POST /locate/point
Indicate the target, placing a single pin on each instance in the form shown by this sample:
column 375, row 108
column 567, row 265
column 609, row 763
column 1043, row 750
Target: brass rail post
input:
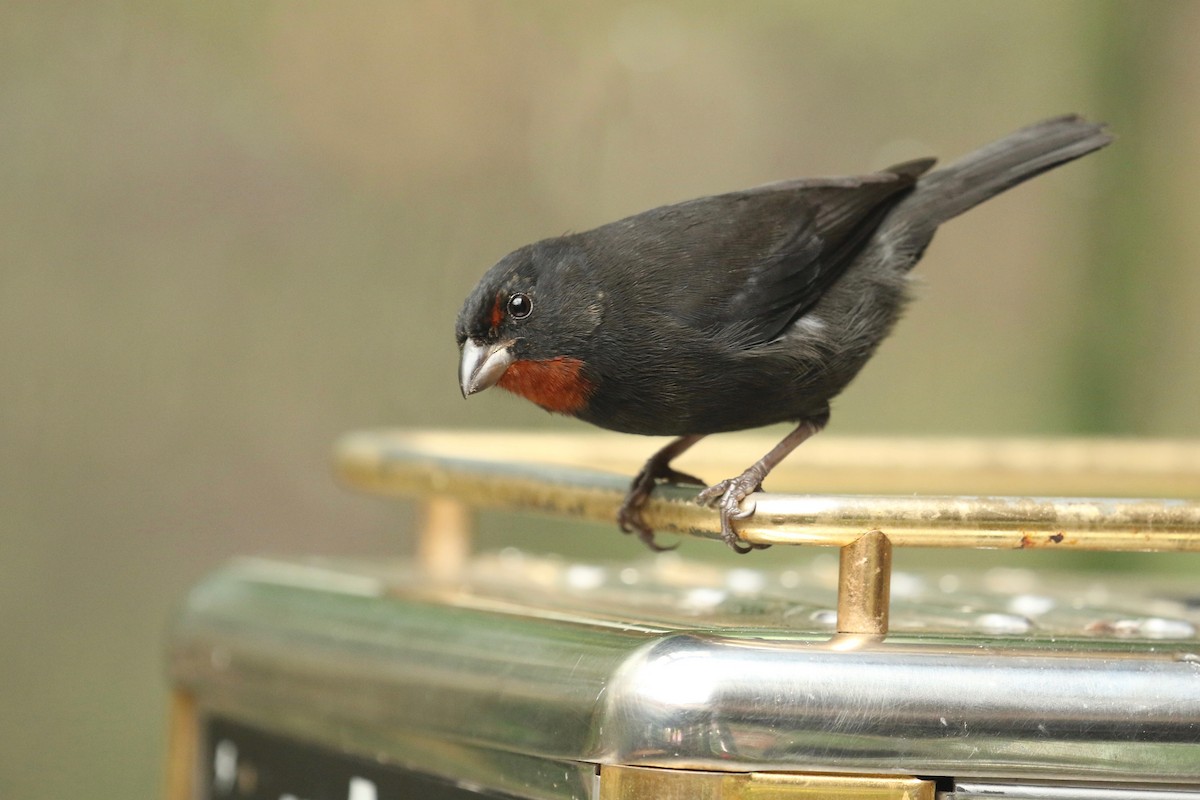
column 444, row 535
column 183, row 747
column 865, row 585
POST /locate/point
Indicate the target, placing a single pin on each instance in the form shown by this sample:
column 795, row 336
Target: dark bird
column 731, row 311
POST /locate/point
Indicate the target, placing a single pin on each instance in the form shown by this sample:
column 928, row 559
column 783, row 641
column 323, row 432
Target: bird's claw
column 727, row 497
column 629, row 516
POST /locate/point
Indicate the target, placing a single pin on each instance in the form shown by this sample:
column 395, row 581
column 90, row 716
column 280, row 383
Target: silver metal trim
column 549, row 682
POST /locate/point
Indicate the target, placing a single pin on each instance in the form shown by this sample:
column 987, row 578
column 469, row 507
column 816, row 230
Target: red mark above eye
column 497, row 311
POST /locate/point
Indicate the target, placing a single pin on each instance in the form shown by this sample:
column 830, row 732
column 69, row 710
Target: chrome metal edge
column 858, row 705
column 365, row 666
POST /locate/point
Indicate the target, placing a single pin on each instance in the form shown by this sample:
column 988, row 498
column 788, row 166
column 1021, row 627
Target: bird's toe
column 674, row 476
column 713, row 494
column 730, row 537
column 728, row 497
column 629, row 515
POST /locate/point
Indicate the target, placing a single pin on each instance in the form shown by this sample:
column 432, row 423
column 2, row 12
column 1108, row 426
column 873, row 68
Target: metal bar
column 183, row 747
column 444, row 535
column 829, row 464
column 1013, row 523
column 395, row 465
column 865, row 585
column 646, row 783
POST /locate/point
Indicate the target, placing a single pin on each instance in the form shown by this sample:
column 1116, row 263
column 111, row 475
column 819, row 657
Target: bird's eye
column 519, row 306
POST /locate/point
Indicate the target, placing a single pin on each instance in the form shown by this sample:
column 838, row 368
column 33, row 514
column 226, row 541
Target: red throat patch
column 555, row 384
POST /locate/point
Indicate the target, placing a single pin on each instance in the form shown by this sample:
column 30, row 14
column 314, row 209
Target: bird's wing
column 809, row 249
column 743, row 266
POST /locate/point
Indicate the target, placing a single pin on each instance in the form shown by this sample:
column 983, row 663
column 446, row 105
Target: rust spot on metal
column 1026, row 541
column 1056, row 537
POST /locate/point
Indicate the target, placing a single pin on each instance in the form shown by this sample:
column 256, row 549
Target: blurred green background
column 230, row 232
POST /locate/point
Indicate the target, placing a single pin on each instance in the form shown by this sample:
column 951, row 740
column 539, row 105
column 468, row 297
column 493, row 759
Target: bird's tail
column 945, row 193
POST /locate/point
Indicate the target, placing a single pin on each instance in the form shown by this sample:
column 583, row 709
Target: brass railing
column 455, row 473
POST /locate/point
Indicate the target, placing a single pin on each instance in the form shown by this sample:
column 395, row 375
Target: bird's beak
column 483, row 365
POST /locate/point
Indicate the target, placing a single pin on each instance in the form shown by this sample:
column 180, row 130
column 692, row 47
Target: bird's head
column 526, row 327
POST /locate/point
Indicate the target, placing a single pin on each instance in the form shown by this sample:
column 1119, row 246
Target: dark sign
column 245, row 763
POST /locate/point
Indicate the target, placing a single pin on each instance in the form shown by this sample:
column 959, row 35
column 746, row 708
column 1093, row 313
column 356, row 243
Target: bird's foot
column 629, row 516
column 727, row 497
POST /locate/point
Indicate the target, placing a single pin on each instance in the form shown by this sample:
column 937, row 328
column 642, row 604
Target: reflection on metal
column 641, row 783
column 1012, row 523
column 864, row 585
column 522, row 673
column 183, row 747
column 473, row 470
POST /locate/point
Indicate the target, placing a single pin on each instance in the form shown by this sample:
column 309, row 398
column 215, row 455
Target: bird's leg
column 729, row 493
column 657, row 468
